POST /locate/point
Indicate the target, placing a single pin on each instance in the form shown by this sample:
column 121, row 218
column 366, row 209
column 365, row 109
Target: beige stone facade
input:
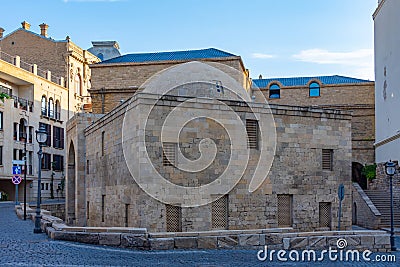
column 48, row 81
column 113, row 198
column 359, row 98
column 116, row 82
column 62, row 58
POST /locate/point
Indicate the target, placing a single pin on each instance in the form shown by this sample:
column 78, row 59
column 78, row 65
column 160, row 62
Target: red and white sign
column 16, row 179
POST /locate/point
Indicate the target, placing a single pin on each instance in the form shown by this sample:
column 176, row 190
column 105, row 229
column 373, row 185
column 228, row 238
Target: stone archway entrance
column 71, row 186
column 357, row 176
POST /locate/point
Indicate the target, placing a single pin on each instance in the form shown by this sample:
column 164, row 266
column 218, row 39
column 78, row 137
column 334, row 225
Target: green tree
column 369, row 171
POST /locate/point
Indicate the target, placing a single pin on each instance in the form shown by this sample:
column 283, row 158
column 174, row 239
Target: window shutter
column 327, row 159
column 169, row 154
column 219, row 213
column 252, row 134
column 62, row 138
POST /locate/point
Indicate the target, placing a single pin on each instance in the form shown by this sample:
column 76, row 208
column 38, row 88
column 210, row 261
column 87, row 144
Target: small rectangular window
column 58, row 163
column 87, row 210
column 48, row 130
column 285, row 210
column 46, row 161
column 87, row 167
column 103, row 199
column 47, row 186
column 102, row 144
column 252, row 134
column 169, row 154
column 1, row 120
column 126, row 215
column 173, row 218
column 15, row 131
column 325, row 216
column 58, row 137
column 1, row 155
column 219, row 213
column 327, row 159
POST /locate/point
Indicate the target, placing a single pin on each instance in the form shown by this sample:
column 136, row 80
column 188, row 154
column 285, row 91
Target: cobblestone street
column 20, row 247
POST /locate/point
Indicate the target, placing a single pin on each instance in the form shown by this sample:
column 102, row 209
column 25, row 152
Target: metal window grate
column 173, row 218
column 327, row 159
column 169, row 154
column 219, row 213
column 284, row 210
column 252, row 133
column 325, row 214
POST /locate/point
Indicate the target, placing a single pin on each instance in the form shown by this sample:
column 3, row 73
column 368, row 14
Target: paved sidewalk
column 20, row 247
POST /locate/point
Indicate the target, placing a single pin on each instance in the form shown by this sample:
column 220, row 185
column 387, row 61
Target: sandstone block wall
column 114, row 199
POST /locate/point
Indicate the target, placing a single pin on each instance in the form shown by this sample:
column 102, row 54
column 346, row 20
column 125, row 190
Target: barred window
column 252, row 133
column 327, row 159
column 220, row 213
column 285, row 210
column 169, row 154
column 325, row 216
column 173, row 218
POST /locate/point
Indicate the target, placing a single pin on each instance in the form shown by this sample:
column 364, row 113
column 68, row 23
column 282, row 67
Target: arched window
column 314, row 89
column 44, row 106
column 51, row 108
column 274, row 91
column 100, row 56
column 57, row 110
column 78, row 83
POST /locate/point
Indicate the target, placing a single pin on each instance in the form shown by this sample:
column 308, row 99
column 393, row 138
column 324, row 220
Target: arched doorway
column 70, row 203
column 357, row 176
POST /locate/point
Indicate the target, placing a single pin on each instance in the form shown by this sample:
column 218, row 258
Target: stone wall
column 113, row 83
column 358, row 98
column 56, row 209
column 302, row 133
column 365, row 213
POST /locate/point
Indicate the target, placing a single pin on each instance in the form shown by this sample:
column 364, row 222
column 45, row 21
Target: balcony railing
column 19, row 102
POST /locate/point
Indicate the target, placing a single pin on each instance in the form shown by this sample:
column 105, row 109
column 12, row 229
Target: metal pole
column 16, row 194
column 340, row 213
column 25, row 170
column 393, row 248
column 38, row 217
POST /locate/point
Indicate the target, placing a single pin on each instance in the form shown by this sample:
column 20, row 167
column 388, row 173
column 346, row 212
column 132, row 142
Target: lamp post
column 390, row 168
column 41, row 138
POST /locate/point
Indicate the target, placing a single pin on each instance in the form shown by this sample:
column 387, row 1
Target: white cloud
column 320, row 56
column 261, row 55
column 361, row 62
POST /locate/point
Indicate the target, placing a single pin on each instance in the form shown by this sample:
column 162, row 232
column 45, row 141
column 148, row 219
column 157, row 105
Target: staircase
column 381, row 200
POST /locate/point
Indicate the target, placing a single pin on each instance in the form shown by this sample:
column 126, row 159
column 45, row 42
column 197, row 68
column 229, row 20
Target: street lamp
column 41, row 138
column 390, row 168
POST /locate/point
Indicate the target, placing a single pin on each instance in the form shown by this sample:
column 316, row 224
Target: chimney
column 1, row 32
column 260, row 77
column 43, row 29
column 25, row 25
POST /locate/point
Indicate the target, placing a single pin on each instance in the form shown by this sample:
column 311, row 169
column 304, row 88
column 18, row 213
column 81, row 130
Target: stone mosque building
column 185, row 141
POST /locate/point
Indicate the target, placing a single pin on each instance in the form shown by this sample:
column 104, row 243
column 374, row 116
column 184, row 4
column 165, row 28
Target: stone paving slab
column 20, row 247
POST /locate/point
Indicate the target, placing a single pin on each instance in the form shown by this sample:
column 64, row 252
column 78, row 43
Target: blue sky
column 275, row 38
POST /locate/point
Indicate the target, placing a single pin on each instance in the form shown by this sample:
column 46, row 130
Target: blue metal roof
column 170, row 56
column 302, row 81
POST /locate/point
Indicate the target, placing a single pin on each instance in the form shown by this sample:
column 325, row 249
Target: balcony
column 19, row 102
